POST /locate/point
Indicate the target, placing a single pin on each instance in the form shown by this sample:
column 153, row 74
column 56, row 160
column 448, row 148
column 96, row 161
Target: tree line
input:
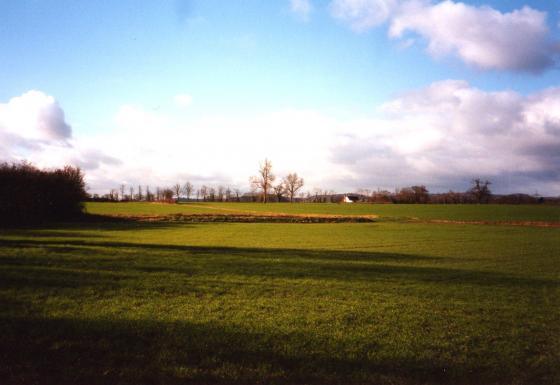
column 262, row 189
column 31, row 195
column 266, row 187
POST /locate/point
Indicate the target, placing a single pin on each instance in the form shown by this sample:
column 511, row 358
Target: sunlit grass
column 390, row 211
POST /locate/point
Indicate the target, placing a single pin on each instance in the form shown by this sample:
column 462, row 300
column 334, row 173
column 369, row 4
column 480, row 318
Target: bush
column 31, row 195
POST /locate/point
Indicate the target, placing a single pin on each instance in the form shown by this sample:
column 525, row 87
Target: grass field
column 422, row 212
column 391, row 302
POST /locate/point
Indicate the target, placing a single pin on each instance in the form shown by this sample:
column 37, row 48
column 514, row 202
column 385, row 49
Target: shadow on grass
column 40, row 350
column 101, row 351
column 123, row 259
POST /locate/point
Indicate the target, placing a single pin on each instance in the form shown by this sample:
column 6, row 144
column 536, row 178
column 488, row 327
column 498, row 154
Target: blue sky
column 243, row 62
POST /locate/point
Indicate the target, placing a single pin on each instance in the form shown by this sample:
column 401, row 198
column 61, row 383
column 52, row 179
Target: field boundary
column 492, row 223
column 248, row 218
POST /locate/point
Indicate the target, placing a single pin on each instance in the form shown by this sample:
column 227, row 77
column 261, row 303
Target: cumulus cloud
column 33, row 128
column 301, row 8
column 449, row 132
column 29, row 123
column 482, row 37
column 34, row 115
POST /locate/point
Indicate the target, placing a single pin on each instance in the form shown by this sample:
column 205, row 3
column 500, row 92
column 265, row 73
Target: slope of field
column 492, row 213
column 240, row 303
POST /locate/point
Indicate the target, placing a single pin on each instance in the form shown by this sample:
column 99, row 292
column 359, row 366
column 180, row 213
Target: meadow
column 459, row 212
column 402, row 300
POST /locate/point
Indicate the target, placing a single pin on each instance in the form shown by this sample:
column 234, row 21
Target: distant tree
column 381, row 196
column 237, row 193
column 188, row 189
column 317, row 194
column 167, row 195
column 263, row 181
column 204, row 192
column 404, row 195
column 421, row 194
column 149, row 195
column 211, row 194
column 329, row 196
column 365, row 192
column 177, row 190
column 292, row 183
column 228, row 194
column 139, row 195
column 279, row 191
column 131, row 195
column 114, row 194
column 480, row 191
column 220, row 193
column 122, row 192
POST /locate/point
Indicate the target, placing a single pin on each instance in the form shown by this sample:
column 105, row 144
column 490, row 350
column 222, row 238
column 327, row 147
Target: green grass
column 238, row 303
column 422, row 212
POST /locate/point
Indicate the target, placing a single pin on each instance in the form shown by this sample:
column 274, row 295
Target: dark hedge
column 31, row 195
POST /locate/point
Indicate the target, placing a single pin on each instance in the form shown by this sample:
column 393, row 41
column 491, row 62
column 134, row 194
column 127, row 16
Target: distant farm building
column 351, row 198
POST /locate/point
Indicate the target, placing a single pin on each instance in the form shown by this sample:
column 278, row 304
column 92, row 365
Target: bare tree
column 237, row 194
column 122, row 192
column 139, row 196
column 263, row 181
column 114, row 195
column 292, row 183
column 188, row 189
column 318, row 195
column 131, row 195
column 177, row 190
column 203, row 192
column 149, row 195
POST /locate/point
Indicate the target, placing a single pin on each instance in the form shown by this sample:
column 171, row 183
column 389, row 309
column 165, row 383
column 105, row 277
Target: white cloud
column 33, row 127
column 157, row 149
column 449, row 132
column 441, row 135
column 362, row 15
column 183, row 100
column 482, row 37
column 301, row 8
column 34, row 116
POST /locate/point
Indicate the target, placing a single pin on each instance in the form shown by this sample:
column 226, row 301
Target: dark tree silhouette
column 30, row 195
column 480, row 191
